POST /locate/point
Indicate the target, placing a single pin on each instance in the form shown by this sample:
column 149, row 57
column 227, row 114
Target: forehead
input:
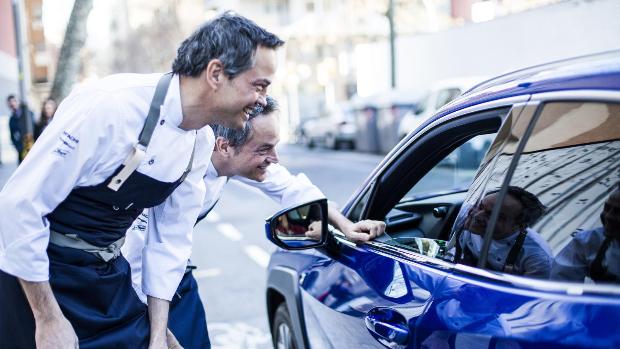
column 510, row 205
column 264, row 65
column 264, row 129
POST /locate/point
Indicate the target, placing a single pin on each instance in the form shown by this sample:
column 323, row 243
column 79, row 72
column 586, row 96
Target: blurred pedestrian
column 17, row 126
column 47, row 114
column 117, row 146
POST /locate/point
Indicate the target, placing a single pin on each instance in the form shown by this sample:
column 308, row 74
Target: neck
column 193, row 95
column 221, row 165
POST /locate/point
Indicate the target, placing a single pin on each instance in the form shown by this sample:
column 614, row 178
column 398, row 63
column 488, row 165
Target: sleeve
column 284, row 188
column 81, row 136
column 170, row 226
column 571, row 264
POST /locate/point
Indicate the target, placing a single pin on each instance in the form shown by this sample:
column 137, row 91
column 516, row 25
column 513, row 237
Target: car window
column 560, row 205
column 422, row 217
column 456, row 171
column 445, row 96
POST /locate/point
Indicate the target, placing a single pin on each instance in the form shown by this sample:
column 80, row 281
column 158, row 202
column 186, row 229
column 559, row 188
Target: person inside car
column 515, row 248
column 593, row 253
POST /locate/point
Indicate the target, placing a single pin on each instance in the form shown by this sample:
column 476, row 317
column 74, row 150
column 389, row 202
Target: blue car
column 502, row 217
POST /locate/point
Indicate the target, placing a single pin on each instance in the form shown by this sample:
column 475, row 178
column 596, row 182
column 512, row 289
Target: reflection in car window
column 570, row 166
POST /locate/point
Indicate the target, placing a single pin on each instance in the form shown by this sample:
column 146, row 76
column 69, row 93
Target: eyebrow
column 262, row 81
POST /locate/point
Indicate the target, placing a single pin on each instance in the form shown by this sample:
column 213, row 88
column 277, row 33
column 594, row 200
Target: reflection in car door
column 365, row 298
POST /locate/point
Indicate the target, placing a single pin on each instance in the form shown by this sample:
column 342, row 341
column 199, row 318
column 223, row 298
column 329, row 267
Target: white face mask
column 612, row 258
column 476, row 244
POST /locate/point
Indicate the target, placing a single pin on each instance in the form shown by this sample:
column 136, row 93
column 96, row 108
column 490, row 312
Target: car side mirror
column 298, row 228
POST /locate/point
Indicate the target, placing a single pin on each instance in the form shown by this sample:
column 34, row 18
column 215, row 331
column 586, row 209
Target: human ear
column 214, row 73
column 222, row 146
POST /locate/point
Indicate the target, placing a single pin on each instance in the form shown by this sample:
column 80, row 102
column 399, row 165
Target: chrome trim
column 579, row 95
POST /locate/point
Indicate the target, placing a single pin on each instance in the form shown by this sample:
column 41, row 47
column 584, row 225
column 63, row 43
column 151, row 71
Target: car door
column 372, row 295
column 564, row 153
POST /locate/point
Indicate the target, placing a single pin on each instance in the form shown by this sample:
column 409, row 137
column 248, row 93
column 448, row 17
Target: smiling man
column 120, row 145
column 248, row 156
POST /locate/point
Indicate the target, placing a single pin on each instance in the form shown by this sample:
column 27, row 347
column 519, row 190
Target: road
column 232, row 252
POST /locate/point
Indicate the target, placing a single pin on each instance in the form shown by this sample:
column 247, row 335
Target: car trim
column 578, row 95
column 573, row 289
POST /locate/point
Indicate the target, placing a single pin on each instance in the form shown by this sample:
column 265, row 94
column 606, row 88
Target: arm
column 52, row 329
column 169, row 236
column 28, row 197
column 361, row 231
column 158, row 317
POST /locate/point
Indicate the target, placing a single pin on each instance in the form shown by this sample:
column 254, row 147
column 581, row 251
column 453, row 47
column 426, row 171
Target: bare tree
column 68, row 64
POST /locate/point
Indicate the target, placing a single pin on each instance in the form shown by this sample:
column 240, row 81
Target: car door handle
column 387, row 325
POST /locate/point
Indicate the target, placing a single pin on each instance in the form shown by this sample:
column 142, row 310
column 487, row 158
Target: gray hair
column 231, row 38
column 238, row 138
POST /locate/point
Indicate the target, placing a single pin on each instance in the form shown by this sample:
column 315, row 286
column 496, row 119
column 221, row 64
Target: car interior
column 419, row 211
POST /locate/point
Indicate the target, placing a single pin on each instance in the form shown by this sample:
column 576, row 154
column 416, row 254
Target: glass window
column 558, row 216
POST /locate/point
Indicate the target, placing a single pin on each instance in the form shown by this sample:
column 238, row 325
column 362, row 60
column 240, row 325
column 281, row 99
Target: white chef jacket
column 573, row 262
column 534, row 260
column 94, row 130
column 280, row 185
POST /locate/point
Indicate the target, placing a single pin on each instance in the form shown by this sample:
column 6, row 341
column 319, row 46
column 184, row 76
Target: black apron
column 96, row 296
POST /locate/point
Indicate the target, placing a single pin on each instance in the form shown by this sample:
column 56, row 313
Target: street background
column 353, row 78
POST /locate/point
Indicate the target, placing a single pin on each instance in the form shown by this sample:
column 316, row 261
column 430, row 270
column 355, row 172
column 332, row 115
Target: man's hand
column 314, row 231
column 55, row 333
column 53, row 330
column 363, row 231
column 171, row 340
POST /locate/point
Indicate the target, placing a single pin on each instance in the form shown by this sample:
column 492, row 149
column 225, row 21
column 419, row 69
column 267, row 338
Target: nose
column 273, row 156
column 262, row 99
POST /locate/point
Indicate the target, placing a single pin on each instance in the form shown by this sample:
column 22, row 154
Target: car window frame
column 556, row 286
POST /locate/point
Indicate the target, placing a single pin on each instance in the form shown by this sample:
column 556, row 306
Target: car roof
column 592, row 72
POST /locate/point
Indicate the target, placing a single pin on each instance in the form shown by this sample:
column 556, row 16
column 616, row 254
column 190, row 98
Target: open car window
column 420, row 196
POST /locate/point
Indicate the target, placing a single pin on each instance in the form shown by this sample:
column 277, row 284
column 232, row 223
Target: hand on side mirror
column 300, row 227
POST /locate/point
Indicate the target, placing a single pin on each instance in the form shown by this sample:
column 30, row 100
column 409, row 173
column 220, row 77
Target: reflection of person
column 285, row 227
column 47, row 114
column 249, row 157
column 105, row 160
column 593, row 253
column 515, row 247
column 17, row 125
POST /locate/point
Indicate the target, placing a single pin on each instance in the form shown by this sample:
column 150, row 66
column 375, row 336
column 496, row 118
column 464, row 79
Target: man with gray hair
column 117, row 146
column 248, row 156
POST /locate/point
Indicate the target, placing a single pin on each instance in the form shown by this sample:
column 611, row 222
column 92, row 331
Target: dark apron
column 94, row 295
column 187, row 319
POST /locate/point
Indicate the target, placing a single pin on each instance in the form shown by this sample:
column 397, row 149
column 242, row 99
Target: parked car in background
column 334, row 129
column 440, row 94
column 377, row 118
column 442, row 276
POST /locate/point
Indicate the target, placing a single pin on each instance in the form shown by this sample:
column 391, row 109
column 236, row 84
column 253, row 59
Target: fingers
column 366, row 230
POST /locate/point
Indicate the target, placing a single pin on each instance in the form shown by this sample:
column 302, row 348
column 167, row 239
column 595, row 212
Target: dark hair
column 9, row 97
column 231, row 38
column 238, row 138
column 532, row 210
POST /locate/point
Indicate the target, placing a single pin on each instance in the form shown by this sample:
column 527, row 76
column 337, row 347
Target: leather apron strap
column 139, row 151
